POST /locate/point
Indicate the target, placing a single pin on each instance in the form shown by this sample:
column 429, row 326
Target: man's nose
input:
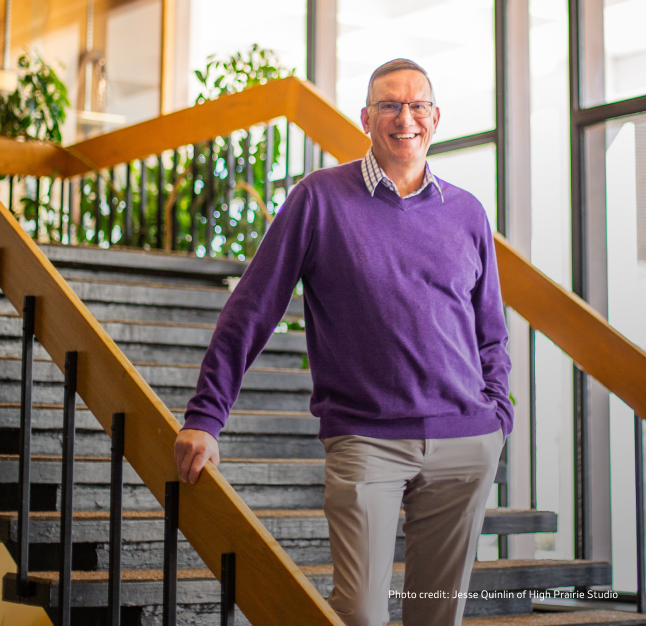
column 405, row 116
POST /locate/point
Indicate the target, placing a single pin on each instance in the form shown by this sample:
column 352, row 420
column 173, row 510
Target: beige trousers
column 444, row 485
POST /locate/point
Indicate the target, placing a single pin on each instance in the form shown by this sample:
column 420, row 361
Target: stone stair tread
column 564, row 618
column 9, row 516
column 50, row 578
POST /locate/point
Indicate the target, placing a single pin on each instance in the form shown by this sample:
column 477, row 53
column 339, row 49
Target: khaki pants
column 444, row 485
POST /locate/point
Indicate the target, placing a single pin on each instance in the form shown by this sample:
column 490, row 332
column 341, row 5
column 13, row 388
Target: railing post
column 128, row 210
column 116, row 512
column 532, row 419
column 97, row 209
column 11, row 194
column 112, row 209
column 67, row 494
column 227, row 589
column 193, row 207
column 160, row 201
column 269, row 157
column 26, row 400
column 639, row 486
column 37, row 230
column 171, row 519
column 143, row 202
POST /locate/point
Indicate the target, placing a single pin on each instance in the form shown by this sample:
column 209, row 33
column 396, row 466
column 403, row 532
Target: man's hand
column 193, row 448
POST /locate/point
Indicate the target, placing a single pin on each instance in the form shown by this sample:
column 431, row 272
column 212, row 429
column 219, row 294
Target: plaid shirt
column 373, row 175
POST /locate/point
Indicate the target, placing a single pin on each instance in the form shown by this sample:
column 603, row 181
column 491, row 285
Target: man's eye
column 389, row 106
column 419, row 106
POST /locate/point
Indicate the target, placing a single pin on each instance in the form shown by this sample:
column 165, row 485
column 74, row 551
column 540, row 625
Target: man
column 406, row 342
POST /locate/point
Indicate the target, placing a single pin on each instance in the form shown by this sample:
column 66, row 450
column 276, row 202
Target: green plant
column 37, row 108
column 239, row 71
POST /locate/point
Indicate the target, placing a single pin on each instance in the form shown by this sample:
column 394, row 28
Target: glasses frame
column 378, row 105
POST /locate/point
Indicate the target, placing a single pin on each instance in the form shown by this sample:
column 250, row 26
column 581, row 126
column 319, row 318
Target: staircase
column 161, row 310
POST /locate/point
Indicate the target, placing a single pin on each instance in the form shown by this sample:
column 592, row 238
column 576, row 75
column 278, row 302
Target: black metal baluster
column 288, row 177
column 116, row 513
column 639, row 485
column 231, row 172
column 70, row 205
column 26, row 398
column 61, row 211
column 37, row 230
column 173, row 209
column 67, row 492
column 97, row 209
column 209, row 203
column 112, row 208
column 269, row 158
column 532, row 419
column 171, row 520
column 11, row 194
column 193, row 207
column 249, row 181
column 143, row 203
column 227, row 589
column 503, row 501
column 160, row 201
column 321, row 158
column 128, row 215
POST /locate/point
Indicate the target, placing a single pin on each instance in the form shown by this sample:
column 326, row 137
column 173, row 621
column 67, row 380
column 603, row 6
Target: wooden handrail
column 299, row 101
column 215, row 520
column 574, row 326
column 566, row 319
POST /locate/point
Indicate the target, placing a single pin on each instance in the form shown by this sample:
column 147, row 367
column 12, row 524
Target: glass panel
column 473, row 169
column 551, row 253
column 228, row 27
column 614, row 50
column 625, row 167
column 458, row 55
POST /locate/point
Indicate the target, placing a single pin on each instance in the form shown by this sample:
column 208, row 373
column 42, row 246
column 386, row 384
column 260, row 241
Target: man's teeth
column 409, row 136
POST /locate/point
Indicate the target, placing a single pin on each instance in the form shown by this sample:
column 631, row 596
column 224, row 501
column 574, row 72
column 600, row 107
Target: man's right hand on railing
column 193, row 448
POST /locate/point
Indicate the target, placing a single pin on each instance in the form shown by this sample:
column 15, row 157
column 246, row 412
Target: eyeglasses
column 393, row 109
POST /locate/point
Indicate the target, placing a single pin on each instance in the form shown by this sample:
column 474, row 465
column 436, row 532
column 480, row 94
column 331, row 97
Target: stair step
column 93, row 526
column 271, row 388
column 50, row 417
column 148, row 294
column 164, row 342
column 143, row 587
column 567, row 618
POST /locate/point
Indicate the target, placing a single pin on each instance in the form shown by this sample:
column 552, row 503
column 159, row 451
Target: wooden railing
column 299, row 101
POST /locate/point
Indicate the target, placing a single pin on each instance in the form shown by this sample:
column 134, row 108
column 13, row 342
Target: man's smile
column 402, row 136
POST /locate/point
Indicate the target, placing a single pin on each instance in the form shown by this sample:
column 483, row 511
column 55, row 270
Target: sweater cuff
column 200, row 422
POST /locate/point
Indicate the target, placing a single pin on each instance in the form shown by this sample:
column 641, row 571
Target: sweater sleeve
column 252, row 312
column 491, row 332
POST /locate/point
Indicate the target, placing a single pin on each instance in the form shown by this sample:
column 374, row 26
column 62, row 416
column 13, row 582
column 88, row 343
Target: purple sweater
column 403, row 316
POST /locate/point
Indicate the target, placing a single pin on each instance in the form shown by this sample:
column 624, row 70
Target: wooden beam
column 574, row 326
column 270, row 588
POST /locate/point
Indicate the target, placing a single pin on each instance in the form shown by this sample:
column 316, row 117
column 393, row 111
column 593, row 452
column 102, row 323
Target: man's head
column 400, row 141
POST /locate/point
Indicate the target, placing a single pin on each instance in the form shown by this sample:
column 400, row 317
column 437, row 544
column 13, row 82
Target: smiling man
column 406, row 343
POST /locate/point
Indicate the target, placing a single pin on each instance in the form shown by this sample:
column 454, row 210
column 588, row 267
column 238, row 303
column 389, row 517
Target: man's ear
column 365, row 120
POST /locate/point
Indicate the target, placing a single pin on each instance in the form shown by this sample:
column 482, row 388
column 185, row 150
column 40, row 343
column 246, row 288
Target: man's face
column 402, row 140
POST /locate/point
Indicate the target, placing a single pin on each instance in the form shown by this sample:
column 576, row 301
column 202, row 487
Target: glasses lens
column 389, row 109
column 393, row 109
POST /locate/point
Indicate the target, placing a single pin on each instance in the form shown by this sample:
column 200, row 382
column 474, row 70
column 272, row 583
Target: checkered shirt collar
column 373, row 175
